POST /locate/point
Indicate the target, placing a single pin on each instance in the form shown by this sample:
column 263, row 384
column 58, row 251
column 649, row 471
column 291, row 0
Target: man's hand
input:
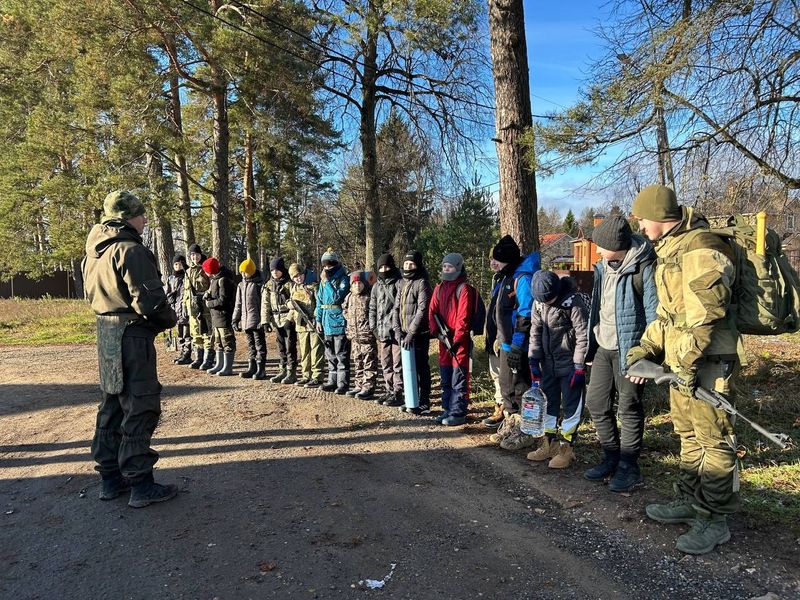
column 636, row 354
column 687, row 383
column 236, row 326
column 268, row 327
column 408, row 341
column 514, row 358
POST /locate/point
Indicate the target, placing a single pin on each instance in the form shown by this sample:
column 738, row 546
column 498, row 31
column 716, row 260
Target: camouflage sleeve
column 708, row 275
column 138, row 270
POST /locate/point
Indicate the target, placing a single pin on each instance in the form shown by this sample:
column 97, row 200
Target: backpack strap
column 638, row 277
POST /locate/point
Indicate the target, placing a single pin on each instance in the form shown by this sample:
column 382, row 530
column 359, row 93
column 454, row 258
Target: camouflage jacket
column 356, row 314
column 694, row 277
column 274, row 299
column 121, row 277
column 305, row 296
column 195, row 284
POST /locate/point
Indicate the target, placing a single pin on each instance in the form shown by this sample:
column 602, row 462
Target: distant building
column 556, row 250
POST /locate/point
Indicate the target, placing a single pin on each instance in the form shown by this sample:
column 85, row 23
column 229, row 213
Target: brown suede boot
column 496, row 418
column 563, row 458
column 547, row 450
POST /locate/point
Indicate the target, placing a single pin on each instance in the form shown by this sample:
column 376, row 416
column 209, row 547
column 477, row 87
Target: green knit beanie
column 122, row 205
column 657, row 203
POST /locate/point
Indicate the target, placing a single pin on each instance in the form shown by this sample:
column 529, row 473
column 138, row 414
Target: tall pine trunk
column 369, row 157
column 159, row 221
column 513, row 116
column 220, row 242
column 249, row 198
column 185, row 200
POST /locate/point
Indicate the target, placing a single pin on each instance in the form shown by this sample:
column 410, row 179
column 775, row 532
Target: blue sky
column 561, row 45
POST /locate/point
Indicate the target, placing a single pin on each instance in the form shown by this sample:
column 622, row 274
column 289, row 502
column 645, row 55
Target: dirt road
column 287, row 492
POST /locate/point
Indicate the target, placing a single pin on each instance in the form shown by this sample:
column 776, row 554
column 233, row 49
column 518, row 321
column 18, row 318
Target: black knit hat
column 613, row 233
column 195, row 249
column 546, row 286
column 277, row 264
column 386, row 260
column 506, row 250
column 179, row 258
column 415, row 256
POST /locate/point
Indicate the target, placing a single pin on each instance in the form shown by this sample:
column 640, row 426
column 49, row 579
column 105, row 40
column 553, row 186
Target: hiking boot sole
column 670, row 521
column 148, row 501
column 105, row 497
column 705, row 549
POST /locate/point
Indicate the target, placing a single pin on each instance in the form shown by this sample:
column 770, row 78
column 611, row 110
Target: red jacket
column 455, row 312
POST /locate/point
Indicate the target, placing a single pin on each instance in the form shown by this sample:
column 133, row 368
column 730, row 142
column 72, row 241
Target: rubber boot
column 218, row 364
column 329, row 386
column 185, row 358
column 708, row 531
column 201, row 353
column 227, row 365
column 605, row 468
column 208, row 362
column 627, row 476
column 251, row 369
column 278, row 377
column 149, row 492
column 290, row 377
column 261, row 374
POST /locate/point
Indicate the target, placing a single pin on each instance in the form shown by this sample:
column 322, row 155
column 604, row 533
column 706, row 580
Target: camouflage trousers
column 224, row 339
column 201, row 331
column 312, row 353
column 365, row 365
column 126, row 421
column 708, row 471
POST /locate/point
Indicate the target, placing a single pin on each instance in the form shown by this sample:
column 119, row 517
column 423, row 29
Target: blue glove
column 578, row 377
column 536, row 369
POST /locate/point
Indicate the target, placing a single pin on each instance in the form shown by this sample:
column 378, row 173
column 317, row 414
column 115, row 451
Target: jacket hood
column 640, row 249
column 568, row 289
column 223, row 272
column 691, row 220
column 529, row 265
column 108, row 233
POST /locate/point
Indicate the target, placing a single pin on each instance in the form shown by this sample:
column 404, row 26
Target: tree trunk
column 665, row 173
column 249, row 198
column 513, row 116
column 185, row 200
column 369, row 157
column 77, row 277
column 160, row 224
column 220, row 243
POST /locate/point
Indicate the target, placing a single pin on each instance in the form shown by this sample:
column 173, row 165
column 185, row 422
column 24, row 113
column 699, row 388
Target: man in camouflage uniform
column 196, row 284
column 125, row 290
column 694, row 337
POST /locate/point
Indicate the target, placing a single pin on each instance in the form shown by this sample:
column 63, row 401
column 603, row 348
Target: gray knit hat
column 613, row 233
column 455, row 259
column 330, row 256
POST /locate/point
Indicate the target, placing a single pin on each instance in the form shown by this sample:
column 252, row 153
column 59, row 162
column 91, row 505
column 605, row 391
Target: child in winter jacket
column 557, row 355
column 175, row 291
column 411, row 323
column 450, row 313
column 381, row 320
column 275, row 315
column 220, row 299
column 247, row 317
column 310, row 345
column 362, row 340
column 333, row 289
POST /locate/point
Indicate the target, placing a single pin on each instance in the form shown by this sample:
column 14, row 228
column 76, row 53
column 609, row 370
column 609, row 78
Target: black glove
column 408, row 341
column 514, row 358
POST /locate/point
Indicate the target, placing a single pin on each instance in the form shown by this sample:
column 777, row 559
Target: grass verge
column 44, row 322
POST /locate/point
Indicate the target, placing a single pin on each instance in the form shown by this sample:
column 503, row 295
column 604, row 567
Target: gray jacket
column 559, row 332
column 381, row 308
column 411, row 307
column 247, row 311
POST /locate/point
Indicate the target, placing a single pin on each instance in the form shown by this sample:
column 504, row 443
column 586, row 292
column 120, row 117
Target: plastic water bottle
column 534, row 408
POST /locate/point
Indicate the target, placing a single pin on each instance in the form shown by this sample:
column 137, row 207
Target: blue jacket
column 513, row 297
column 331, row 295
column 632, row 311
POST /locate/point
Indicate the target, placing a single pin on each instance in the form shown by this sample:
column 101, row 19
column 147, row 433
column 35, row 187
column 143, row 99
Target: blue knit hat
column 546, row 286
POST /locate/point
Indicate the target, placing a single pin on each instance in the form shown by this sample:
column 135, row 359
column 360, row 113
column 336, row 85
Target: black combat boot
column 113, row 485
column 261, row 373
column 149, row 492
column 252, row 368
column 627, row 475
column 199, row 360
column 208, row 362
column 605, row 468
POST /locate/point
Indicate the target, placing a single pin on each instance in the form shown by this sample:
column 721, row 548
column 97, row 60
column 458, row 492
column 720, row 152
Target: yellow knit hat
column 248, row 267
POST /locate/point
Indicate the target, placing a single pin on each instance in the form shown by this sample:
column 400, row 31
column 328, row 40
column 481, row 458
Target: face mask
column 409, row 273
column 450, row 276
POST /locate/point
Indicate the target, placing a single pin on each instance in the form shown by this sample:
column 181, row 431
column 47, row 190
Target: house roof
column 549, row 239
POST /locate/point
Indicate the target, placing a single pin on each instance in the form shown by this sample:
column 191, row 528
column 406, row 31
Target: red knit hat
column 211, row 266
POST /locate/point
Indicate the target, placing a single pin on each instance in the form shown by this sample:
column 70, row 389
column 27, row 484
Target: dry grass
column 46, row 321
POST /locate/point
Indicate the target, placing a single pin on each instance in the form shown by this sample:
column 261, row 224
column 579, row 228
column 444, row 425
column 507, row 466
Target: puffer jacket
column 356, row 314
column 333, row 289
column 632, row 311
column 247, row 311
column 381, row 306
column 274, row 300
column 559, row 337
column 221, row 298
column 513, row 303
column 175, row 296
column 305, row 296
column 455, row 312
column 411, row 306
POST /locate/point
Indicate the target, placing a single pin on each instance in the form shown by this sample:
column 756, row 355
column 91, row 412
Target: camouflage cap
column 657, row 203
column 122, row 205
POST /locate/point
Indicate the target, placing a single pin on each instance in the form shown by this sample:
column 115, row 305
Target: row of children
column 539, row 330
